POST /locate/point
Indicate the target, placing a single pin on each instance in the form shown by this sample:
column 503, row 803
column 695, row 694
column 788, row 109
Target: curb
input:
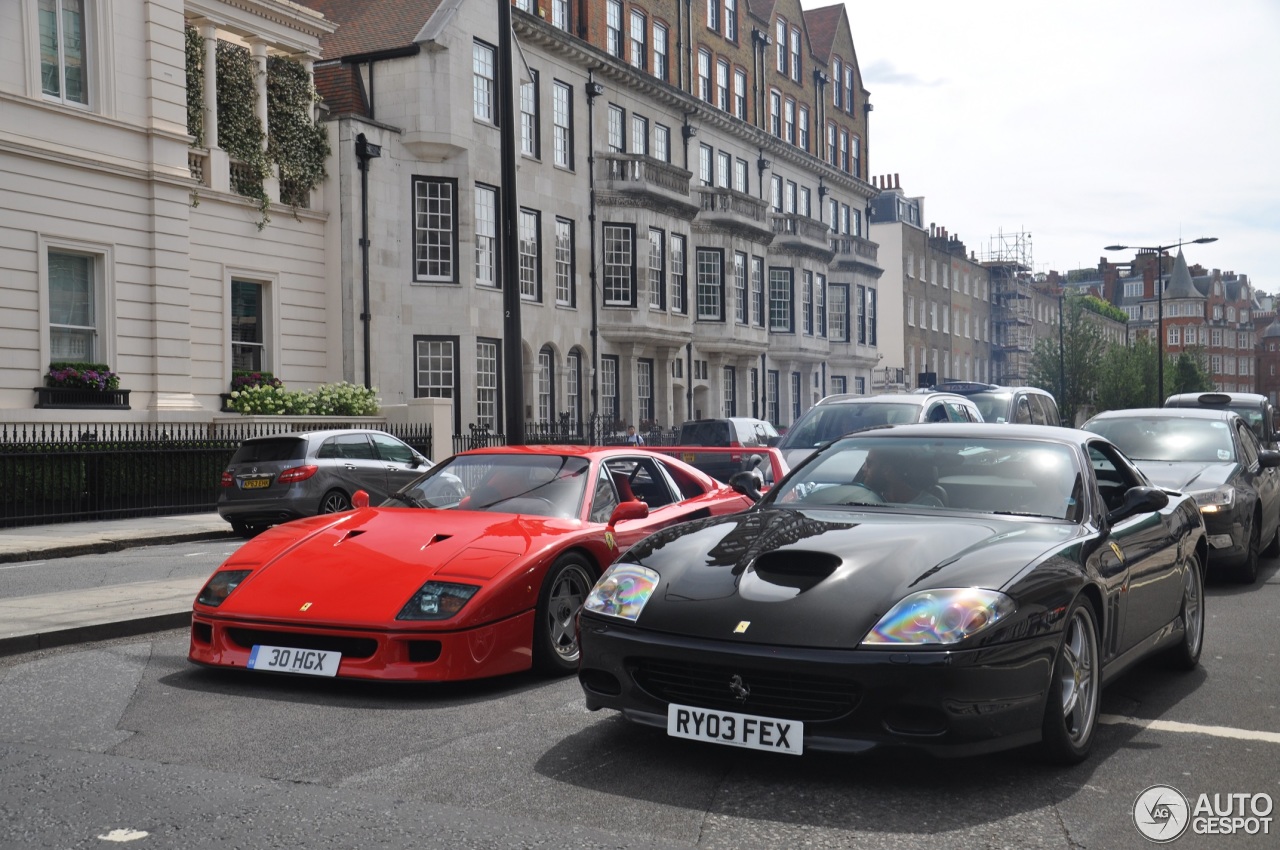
column 111, row 545
column 94, row 632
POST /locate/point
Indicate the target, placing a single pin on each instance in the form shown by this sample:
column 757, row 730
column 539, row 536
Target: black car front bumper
column 946, row 702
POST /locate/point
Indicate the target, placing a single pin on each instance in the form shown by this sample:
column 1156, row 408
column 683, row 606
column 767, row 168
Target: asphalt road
column 102, row 742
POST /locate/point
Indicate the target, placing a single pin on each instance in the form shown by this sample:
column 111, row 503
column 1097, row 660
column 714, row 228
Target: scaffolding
column 1008, row 261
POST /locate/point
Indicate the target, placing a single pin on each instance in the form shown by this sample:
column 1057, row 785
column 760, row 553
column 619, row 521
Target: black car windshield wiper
column 1023, row 513
column 407, row 499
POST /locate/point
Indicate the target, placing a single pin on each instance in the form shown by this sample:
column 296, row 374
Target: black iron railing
column 594, row 432
column 71, row 472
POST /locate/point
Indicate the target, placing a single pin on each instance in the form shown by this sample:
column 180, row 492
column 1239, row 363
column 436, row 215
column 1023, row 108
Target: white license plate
column 287, row 659
column 736, row 730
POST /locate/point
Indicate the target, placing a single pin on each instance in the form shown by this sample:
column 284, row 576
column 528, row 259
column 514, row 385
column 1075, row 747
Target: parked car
column 834, row 617
column 476, row 568
column 731, row 432
column 837, row 415
column 1214, row 456
column 723, row 463
column 1020, row 405
column 282, row 477
column 1256, row 409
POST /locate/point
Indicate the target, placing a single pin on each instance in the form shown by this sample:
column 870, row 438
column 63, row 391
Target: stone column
column 258, row 50
column 209, row 33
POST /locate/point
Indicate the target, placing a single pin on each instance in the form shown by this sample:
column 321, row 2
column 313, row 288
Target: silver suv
column 286, row 476
column 837, row 415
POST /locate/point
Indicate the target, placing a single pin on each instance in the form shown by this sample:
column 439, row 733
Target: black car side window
column 1022, row 411
column 1248, row 445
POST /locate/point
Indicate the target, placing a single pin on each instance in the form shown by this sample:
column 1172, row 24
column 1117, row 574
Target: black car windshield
column 1168, row 438
column 910, row 474
column 538, row 485
column 827, row 422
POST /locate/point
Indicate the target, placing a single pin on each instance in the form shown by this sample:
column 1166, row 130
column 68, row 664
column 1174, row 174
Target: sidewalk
column 54, row 619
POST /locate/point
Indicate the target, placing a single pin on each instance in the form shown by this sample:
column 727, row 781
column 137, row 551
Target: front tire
column 555, row 637
column 1071, row 707
column 1186, row 655
column 335, row 501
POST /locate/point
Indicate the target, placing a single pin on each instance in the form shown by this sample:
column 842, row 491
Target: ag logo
column 1161, row 813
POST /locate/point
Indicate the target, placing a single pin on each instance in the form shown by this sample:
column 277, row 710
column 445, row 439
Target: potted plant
column 78, row 385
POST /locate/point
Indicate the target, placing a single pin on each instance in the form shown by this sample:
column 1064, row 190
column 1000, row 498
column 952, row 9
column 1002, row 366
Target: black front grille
column 350, row 647
column 792, row 696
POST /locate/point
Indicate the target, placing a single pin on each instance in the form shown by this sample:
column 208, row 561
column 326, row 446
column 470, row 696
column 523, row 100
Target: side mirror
column 749, row 483
column 1269, row 458
column 634, row 509
column 1139, row 500
column 773, row 441
column 360, row 499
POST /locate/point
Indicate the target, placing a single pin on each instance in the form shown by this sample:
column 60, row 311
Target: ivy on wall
column 297, row 145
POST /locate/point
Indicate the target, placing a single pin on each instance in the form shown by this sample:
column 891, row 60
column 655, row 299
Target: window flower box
column 81, row 398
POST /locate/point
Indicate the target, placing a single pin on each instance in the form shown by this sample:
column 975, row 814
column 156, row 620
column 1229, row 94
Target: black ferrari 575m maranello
column 954, row 588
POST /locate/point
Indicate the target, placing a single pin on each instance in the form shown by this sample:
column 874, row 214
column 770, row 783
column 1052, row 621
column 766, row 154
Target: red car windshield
column 541, row 485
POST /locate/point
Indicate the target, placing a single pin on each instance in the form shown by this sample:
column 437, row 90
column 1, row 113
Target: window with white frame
column 839, row 384
column 802, row 138
column 795, row 54
column 806, row 302
column 837, row 93
column 741, row 176
column 740, row 94
column 757, row 291
column 248, row 320
column 1133, row 289
column 64, row 48
column 911, row 311
column 639, row 48
column 529, row 142
column 609, row 386
column 486, row 204
column 730, row 382
column 820, row 304
column 661, row 63
column 731, row 19
column 740, row 306
column 435, row 231
column 573, row 387
column 789, row 120
column 564, row 262
column 679, row 273
column 706, row 165
column 775, row 192
column 546, row 385
column 775, row 113
column 1174, row 335
column 560, row 14
column 710, row 282
column 644, row 389
column 657, row 268
column 487, row 376
column 871, row 317
column 617, row 129
column 860, row 305
column 619, row 265
column 704, row 75
column 662, row 142
column 848, row 89
column 436, row 367
column 780, row 42
column 771, row 395
column 781, row 318
column 795, row 396
column 484, row 70
column 613, row 27
column 713, row 15
column 639, row 134
column 722, row 85
column 530, row 255
column 562, row 123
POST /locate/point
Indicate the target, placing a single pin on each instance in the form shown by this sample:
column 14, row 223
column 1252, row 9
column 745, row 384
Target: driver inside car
column 897, row 477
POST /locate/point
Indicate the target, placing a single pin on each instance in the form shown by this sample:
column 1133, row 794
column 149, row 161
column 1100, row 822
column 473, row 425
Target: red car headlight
column 437, row 600
column 220, row 587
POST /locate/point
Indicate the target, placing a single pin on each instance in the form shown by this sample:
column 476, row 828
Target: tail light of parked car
column 228, row 480
column 297, row 473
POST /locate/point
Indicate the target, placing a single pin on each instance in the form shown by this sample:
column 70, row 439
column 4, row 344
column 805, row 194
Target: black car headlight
column 220, row 586
column 437, row 600
column 1212, row 501
column 622, row 591
column 944, row 616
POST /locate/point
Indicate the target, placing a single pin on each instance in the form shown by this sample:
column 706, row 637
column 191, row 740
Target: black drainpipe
column 365, row 152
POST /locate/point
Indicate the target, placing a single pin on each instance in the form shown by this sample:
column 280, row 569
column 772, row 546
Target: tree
column 1070, row 362
column 1190, row 372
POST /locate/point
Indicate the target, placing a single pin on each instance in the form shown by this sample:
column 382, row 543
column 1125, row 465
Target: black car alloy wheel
column 1071, row 708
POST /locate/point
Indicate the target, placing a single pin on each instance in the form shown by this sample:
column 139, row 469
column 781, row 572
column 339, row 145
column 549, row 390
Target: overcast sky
column 1084, row 123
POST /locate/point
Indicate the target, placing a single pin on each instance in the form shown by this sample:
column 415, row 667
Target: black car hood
column 1187, row 475
column 824, row 578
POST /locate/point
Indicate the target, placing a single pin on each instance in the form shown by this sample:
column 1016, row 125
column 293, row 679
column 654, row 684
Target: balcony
column 734, row 212
column 799, row 234
column 854, row 251
column 628, row 179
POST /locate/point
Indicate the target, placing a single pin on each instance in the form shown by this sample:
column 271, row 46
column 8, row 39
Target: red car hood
column 364, row 567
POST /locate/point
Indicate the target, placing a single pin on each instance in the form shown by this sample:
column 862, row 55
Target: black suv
column 1020, row 405
column 733, row 432
column 1255, row 409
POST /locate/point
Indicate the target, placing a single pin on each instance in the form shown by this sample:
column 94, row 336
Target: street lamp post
column 1159, row 251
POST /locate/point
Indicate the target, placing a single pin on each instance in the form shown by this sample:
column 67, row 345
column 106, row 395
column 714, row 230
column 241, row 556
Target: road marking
column 124, row 835
column 24, row 564
column 194, row 554
column 1191, row 728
